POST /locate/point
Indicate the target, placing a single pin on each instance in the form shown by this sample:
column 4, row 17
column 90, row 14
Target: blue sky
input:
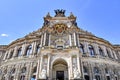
column 20, row 17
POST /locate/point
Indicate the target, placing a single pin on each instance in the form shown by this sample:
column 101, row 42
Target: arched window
column 97, row 73
column 37, row 48
column 101, row 52
column 12, row 71
column 33, row 77
column 11, row 54
column 29, row 50
column 96, row 70
column 86, row 75
column 23, row 71
column 108, row 53
column 11, row 74
column 82, row 48
column 19, row 52
column 91, row 50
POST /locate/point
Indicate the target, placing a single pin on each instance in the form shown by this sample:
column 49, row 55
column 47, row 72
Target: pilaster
column 70, row 42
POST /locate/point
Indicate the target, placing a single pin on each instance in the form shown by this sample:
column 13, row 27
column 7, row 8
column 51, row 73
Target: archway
column 60, row 70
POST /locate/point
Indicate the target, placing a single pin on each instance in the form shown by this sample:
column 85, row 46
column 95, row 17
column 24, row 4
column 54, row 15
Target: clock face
column 60, row 28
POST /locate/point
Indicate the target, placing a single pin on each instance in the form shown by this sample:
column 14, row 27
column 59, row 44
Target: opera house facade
column 60, row 50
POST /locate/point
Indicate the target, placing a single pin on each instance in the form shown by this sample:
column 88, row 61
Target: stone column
column 17, row 73
column 111, row 53
column 38, row 70
column 41, row 40
column 34, row 48
column 41, row 63
column 78, row 64
column 27, row 72
column 49, row 40
column 104, row 50
column 32, row 44
column 15, row 52
column 78, row 40
column 71, row 68
column 102, row 72
column 86, row 48
column 74, row 38
column 48, row 66
column 44, row 39
column 23, row 49
column 5, row 56
column 90, row 71
column 9, row 53
column 70, row 40
column 30, row 70
column 96, row 49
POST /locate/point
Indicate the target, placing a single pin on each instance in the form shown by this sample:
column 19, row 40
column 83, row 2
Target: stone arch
column 57, row 60
column 59, row 69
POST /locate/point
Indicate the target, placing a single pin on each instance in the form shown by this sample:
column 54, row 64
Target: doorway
column 86, row 77
column 60, row 70
column 60, row 75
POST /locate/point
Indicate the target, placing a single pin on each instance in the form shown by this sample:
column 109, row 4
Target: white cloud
column 4, row 35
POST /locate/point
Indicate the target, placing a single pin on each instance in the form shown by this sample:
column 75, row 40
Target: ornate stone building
column 60, row 50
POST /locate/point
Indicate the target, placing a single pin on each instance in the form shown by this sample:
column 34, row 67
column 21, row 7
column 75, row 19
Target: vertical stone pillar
column 111, row 53
column 41, row 63
column 102, row 72
column 23, row 49
column 90, row 71
column 38, row 70
column 82, row 70
column 17, row 74
column 30, row 70
column 78, row 64
column 27, row 71
column 104, row 50
column 44, row 39
column 49, row 40
column 96, row 49
column 41, row 40
column 86, row 48
column 48, row 66
column 78, row 40
column 5, row 56
column 15, row 52
column 71, row 68
column 32, row 44
column 34, row 48
column 9, row 53
column 70, row 42
column 74, row 38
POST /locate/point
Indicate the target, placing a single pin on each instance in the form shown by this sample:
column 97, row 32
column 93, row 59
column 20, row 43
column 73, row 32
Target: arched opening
column 60, row 70
column 86, row 75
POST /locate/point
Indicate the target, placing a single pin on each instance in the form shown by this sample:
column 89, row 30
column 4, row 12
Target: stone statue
column 43, row 74
column 76, row 73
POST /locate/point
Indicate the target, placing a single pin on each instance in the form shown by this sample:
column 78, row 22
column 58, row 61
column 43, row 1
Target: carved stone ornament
column 76, row 73
column 43, row 74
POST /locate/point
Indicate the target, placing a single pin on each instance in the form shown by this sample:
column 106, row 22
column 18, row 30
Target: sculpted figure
column 76, row 73
column 43, row 74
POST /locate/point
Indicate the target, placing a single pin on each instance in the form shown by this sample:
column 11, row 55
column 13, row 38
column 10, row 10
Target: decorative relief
column 60, row 28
